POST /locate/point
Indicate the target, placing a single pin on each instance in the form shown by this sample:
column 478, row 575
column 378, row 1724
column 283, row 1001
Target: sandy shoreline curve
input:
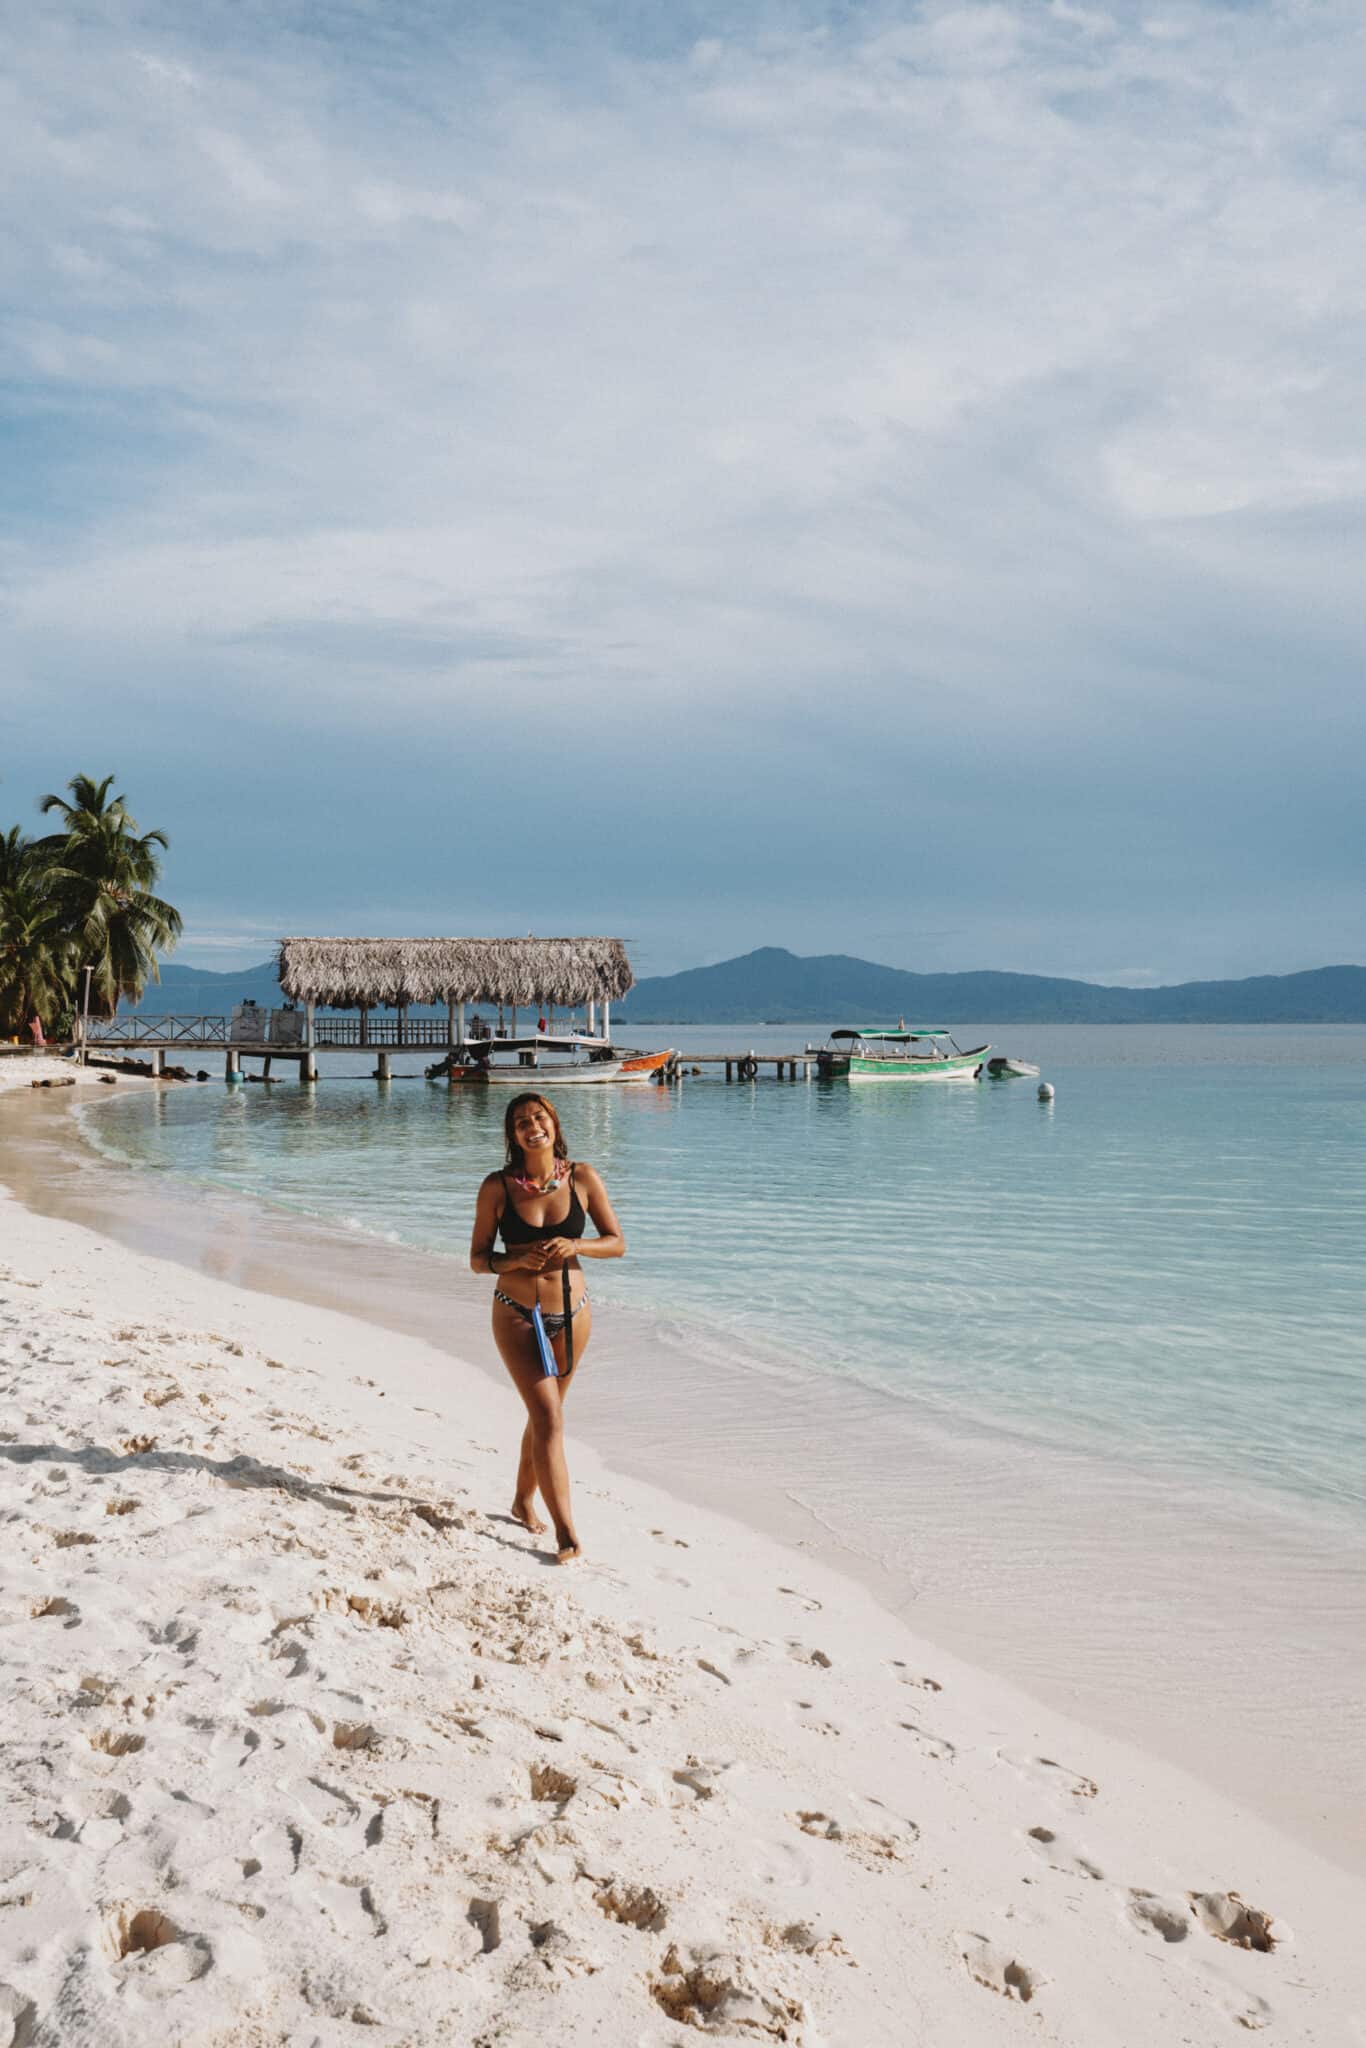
column 1218, row 1634
column 306, row 1735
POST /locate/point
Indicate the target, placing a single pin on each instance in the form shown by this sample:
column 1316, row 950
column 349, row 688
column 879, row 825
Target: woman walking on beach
column 541, row 1203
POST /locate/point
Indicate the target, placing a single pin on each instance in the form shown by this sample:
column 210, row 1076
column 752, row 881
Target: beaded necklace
column 542, row 1187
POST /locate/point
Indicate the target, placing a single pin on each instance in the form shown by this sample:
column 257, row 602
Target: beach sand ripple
column 304, row 1737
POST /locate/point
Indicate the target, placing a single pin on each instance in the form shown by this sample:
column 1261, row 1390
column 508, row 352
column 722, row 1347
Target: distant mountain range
column 777, row 987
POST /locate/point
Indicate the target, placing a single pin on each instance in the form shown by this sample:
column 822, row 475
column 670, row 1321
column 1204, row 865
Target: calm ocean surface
column 1164, row 1265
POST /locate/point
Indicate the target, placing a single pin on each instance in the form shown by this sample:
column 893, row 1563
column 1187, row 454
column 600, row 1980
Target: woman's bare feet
column 568, row 1550
column 522, row 1511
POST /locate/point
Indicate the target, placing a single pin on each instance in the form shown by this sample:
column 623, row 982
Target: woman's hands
column 550, row 1254
column 547, row 1255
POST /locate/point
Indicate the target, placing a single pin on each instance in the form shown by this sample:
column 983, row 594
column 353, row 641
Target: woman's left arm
column 609, row 1242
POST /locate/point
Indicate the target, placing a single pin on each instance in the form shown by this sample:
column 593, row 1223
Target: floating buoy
column 1045, row 1091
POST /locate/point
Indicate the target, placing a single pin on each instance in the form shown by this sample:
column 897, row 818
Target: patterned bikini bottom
column 553, row 1323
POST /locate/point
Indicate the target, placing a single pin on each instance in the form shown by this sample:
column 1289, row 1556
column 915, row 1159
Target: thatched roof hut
column 349, row 974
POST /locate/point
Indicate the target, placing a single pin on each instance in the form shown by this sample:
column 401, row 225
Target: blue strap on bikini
column 549, row 1369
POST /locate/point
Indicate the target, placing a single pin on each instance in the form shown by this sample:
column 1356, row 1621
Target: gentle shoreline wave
column 1081, row 1579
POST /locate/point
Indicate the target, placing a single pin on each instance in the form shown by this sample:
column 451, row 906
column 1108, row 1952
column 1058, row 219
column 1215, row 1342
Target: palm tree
column 34, row 950
column 103, row 874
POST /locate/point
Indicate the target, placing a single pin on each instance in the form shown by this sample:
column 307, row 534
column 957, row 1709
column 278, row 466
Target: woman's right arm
column 483, row 1257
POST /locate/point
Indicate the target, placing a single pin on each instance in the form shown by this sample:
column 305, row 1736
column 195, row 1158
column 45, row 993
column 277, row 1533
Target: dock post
column 265, row 1068
column 158, row 1062
column 728, row 1067
column 382, row 1071
column 308, row 1067
column 232, row 1065
column 460, row 1021
column 364, row 1024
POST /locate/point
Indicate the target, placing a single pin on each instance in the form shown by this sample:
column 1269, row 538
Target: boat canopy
column 898, row 1037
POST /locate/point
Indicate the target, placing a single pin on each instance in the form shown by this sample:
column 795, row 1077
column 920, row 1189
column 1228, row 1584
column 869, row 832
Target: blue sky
column 884, row 479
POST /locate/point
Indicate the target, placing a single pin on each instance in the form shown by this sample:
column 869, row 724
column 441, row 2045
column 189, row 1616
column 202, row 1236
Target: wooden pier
column 157, row 1036
column 356, row 994
column 746, row 1066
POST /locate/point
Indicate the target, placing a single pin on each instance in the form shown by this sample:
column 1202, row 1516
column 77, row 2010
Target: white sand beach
column 304, row 1737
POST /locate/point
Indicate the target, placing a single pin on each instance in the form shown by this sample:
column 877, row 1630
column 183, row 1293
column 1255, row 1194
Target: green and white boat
column 868, row 1053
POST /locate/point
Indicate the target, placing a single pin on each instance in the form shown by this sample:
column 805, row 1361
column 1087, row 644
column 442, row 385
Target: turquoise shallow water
column 1162, row 1266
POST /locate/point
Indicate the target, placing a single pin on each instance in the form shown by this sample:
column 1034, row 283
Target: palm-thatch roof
column 347, row 974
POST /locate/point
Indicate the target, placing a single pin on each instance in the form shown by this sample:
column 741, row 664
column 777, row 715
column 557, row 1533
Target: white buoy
column 1045, row 1091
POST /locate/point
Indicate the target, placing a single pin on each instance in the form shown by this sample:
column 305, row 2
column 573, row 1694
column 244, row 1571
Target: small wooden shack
column 368, row 974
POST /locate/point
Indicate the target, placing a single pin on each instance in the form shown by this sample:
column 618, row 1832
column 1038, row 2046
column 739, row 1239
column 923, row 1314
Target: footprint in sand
column 485, row 1915
column 59, row 1609
column 997, row 1969
column 145, row 1946
column 1245, row 2009
column 802, row 1709
column 881, row 1816
column 178, row 1635
column 704, row 1781
column 292, row 1651
column 874, row 1851
column 1160, row 1919
column 1228, row 1917
column 800, row 1653
column 812, row 1605
column 17, row 2016
column 634, row 1905
column 1045, row 1770
column 441, row 1518
column 552, row 1785
column 938, row 1747
column 354, row 1735
column 1060, row 1854
column 710, row 1990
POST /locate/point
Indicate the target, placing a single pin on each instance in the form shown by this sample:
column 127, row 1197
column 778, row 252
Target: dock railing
column 362, row 1032
column 125, row 1031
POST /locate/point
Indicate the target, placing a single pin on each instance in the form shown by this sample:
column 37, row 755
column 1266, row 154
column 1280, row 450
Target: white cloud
column 951, row 353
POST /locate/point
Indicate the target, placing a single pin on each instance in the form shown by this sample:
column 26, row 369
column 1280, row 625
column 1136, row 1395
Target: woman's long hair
column 514, row 1150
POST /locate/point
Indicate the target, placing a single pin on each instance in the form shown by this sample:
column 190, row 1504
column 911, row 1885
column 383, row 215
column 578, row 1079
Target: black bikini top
column 516, row 1230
